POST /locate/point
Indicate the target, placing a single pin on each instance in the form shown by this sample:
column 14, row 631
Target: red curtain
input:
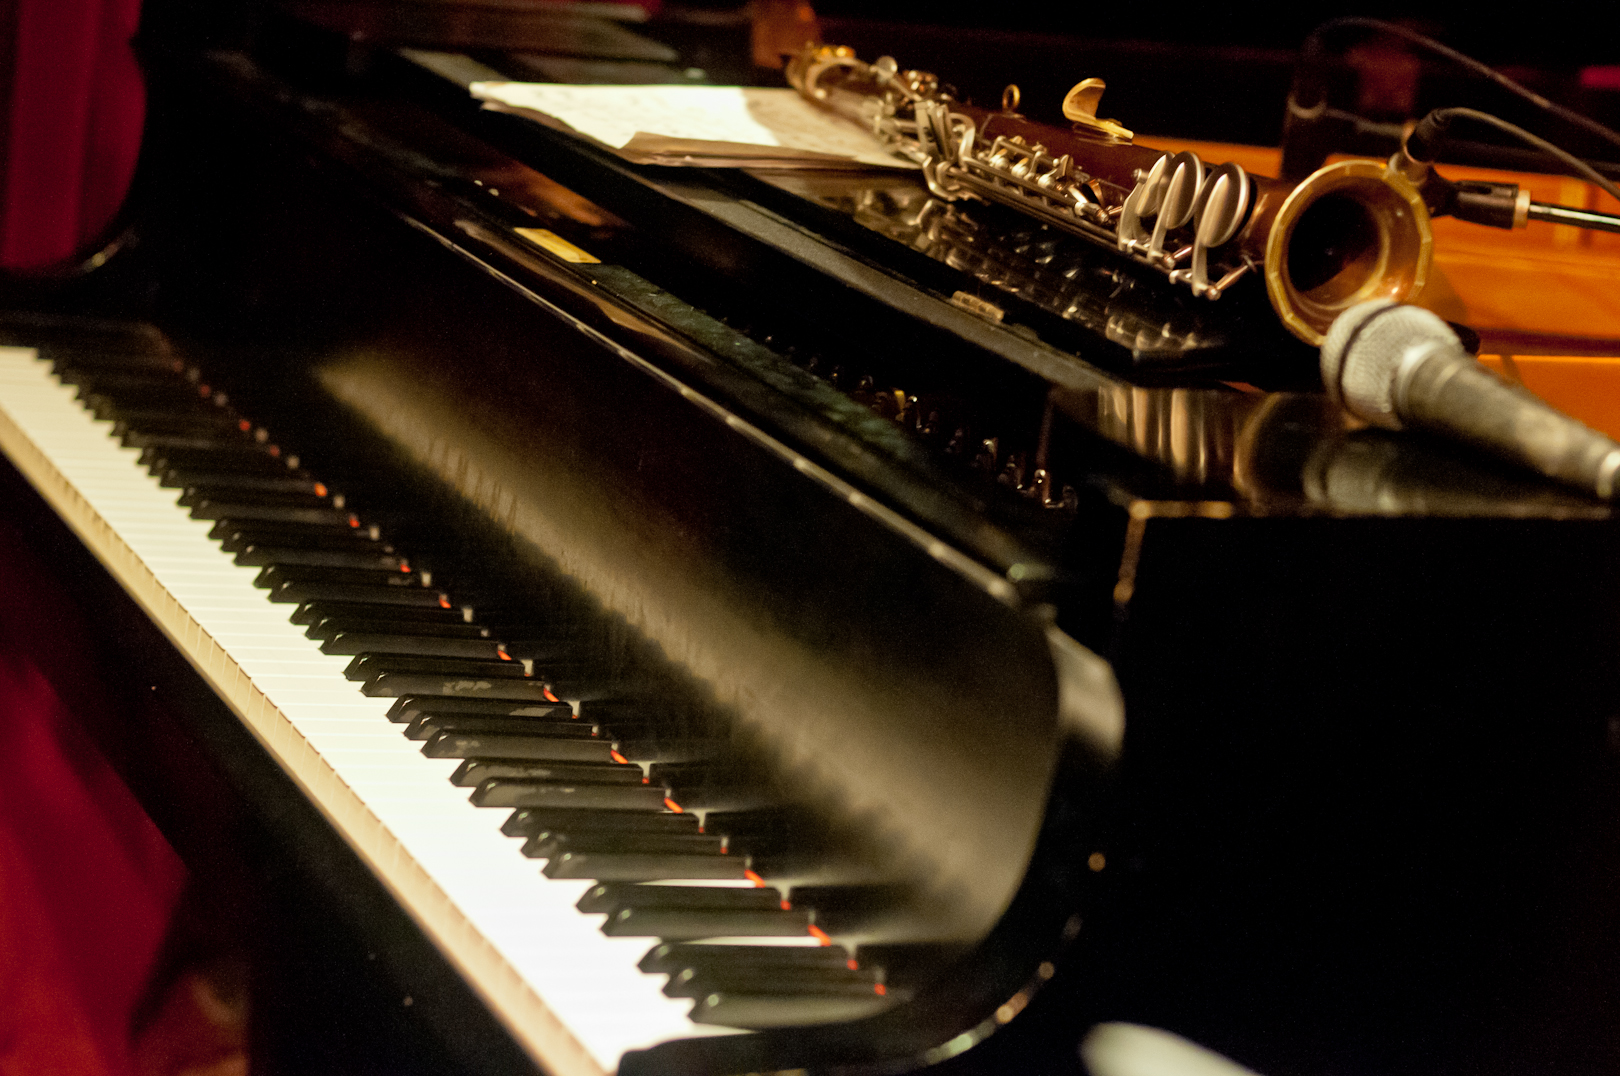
column 72, row 128
column 87, row 883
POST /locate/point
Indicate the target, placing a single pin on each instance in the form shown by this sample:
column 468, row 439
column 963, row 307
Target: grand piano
column 618, row 619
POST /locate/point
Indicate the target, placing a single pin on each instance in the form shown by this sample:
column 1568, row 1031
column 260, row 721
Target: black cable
column 1430, row 132
column 1313, row 44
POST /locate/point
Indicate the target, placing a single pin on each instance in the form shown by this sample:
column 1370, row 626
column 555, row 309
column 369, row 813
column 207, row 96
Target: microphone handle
column 1449, row 393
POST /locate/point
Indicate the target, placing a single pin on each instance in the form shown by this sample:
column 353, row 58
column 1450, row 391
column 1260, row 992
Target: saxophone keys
column 1222, row 205
column 1143, row 201
column 1179, row 200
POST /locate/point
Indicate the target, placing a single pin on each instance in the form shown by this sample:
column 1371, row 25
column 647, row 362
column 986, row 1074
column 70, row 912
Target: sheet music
column 695, row 125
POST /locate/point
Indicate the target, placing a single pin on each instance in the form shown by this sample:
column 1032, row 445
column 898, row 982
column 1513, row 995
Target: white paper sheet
column 701, row 125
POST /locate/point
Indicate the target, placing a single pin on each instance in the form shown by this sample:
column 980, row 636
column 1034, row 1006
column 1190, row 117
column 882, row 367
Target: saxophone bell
column 1349, row 232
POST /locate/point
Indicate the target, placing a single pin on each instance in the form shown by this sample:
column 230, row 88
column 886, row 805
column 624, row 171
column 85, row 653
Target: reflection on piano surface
column 698, row 644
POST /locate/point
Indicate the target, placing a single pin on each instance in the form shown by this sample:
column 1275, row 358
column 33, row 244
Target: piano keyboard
column 576, row 998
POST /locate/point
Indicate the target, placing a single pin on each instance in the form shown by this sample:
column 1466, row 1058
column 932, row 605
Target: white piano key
column 573, row 997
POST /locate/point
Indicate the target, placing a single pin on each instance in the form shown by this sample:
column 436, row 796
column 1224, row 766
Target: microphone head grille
column 1364, row 350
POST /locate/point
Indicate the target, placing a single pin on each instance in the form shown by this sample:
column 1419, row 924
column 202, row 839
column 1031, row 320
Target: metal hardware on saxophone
column 1351, row 231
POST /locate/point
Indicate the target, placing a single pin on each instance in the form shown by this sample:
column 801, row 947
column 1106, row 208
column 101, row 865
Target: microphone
column 1402, row 367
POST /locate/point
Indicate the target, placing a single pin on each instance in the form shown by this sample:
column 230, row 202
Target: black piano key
column 769, row 830
column 164, row 409
column 502, row 792
column 528, row 821
column 255, row 474
column 81, row 367
column 534, row 746
column 615, row 731
column 448, row 627
column 224, row 498
column 634, row 716
column 148, row 399
column 238, row 535
column 727, row 797
column 622, row 711
column 200, row 418
column 554, row 842
column 155, row 432
column 272, row 576
column 757, row 1012
column 391, row 684
column 172, row 417
column 802, row 867
column 424, row 644
column 409, row 708
column 671, row 749
column 696, row 773
column 612, row 896
column 654, row 866
column 679, row 924
column 351, row 554
column 82, row 341
column 244, row 511
column 563, row 748
column 359, row 594
column 148, row 389
column 119, row 379
column 523, row 641
column 136, row 383
column 134, row 367
column 234, row 535
column 161, row 440
column 765, row 979
column 764, row 821
column 244, row 456
column 343, row 617
column 284, row 481
column 313, row 612
column 100, row 346
column 369, row 666
column 670, row 957
column 579, row 681
column 475, row 771
column 426, row 725
column 197, row 484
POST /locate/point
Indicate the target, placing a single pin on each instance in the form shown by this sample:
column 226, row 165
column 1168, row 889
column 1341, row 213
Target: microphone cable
column 1307, row 107
column 1312, row 47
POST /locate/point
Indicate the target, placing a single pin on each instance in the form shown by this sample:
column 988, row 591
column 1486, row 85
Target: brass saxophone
column 1349, row 232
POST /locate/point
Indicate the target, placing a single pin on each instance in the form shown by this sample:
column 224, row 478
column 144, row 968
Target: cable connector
column 1499, row 205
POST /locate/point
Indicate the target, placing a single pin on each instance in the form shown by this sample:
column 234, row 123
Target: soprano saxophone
column 1351, row 231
